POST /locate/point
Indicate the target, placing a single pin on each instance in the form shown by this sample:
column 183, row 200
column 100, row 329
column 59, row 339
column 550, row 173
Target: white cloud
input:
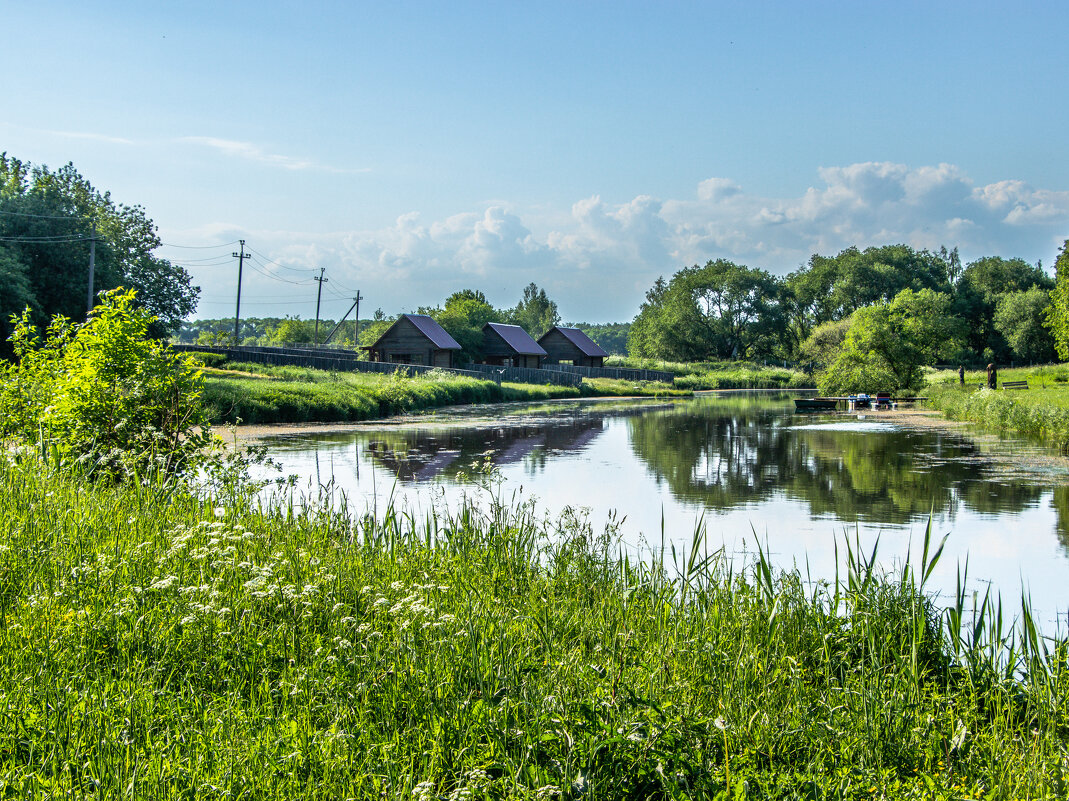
column 253, row 152
column 598, row 260
column 93, row 137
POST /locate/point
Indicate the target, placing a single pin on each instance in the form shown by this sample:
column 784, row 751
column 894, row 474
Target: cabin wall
column 406, row 344
column 559, row 348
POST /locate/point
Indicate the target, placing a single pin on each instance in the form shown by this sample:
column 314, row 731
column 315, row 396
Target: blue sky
column 412, row 149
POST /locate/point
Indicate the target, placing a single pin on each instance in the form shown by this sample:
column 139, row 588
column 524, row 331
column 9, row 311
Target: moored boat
column 815, row 404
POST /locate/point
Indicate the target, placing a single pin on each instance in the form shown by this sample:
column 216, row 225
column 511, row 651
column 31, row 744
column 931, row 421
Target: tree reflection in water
column 724, row 454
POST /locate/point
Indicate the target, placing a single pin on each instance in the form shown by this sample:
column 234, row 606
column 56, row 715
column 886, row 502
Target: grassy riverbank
column 721, row 375
column 158, row 644
column 1040, row 412
column 260, row 394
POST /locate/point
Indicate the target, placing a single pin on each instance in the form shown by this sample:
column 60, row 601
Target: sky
column 412, row 149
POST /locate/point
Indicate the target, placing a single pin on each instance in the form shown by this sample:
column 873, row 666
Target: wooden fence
column 626, row 373
column 529, row 375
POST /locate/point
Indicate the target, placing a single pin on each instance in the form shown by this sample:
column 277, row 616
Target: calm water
column 748, row 466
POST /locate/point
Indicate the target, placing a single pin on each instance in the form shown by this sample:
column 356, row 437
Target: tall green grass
column 293, row 394
column 157, row 642
column 1039, row 414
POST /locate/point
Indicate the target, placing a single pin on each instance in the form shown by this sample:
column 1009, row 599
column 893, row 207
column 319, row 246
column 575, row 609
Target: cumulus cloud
column 598, row 259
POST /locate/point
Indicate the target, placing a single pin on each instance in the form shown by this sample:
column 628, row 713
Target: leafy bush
column 102, row 393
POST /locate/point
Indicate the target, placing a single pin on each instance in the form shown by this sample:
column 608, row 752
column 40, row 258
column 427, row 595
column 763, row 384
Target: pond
column 745, row 466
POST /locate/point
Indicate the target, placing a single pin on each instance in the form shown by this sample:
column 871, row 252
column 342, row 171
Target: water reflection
column 746, row 465
column 423, row 455
column 868, row 472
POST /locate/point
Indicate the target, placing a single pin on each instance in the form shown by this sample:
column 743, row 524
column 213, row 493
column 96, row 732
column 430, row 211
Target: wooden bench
column 1015, row 385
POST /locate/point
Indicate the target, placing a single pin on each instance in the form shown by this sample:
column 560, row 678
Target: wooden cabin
column 510, row 346
column 415, row 339
column 571, row 346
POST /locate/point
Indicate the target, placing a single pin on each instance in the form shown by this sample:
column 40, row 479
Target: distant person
column 992, row 377
column 961, row 374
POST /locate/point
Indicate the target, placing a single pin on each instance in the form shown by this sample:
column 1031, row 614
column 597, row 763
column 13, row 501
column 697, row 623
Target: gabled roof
column 427, row 326
column 588, row 346
column 517, row 339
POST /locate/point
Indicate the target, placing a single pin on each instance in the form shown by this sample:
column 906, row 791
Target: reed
column 165, row 641
column 1040, row 414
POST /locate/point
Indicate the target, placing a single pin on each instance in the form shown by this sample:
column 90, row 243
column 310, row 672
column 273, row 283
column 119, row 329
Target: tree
column 645, row 338
column 892, row 341
column 47, row 220
column 826, row 342
column 15, row 292
column 535, row 312
column 292, row 329
column 1058, row 314
column 463, row 316
column 610, row 336
column 720, row 311
column 977, row 295
column 1019, row 319
column 834, row 287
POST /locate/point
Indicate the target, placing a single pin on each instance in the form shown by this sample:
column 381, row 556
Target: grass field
column 260, row 394
column 721, row 375
column 157, row 643
column 1040, row 412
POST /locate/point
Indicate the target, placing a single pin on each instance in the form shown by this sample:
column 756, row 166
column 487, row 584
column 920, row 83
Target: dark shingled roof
column 517, row 339
column 434, row 332
column 588, row 346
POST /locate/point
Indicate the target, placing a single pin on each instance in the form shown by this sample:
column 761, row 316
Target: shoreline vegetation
column 1039, row 413
column 258, row 394
column 165, row 640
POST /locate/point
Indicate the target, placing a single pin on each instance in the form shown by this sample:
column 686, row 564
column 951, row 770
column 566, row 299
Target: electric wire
column 283, row 266
column 199, row 247
column 68, row 217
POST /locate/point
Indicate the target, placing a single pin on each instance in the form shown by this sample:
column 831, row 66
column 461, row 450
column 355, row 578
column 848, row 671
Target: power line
column 198, row 247
column 273, row 276
column 39, row 240
column 73, row 217
column 284, row 266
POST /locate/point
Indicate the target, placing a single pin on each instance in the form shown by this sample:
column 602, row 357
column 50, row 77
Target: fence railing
column 529, row 375
column 625, row 373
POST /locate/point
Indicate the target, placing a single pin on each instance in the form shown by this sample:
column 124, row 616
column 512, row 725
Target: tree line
column 867, row 318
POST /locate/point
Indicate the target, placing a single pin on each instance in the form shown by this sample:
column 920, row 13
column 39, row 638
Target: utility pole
column 92, row 266
column 356, row 302
column 319, row 296
column 241, row 255
column 334, row 330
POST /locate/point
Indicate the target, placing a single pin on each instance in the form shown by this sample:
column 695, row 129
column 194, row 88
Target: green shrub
column 102, row 393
